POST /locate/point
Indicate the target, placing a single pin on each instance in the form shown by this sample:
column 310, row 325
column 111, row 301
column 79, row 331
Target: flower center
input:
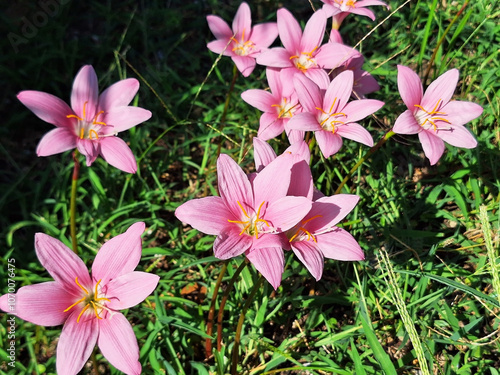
column 301, row 232
column 345, row 5
column 253, row 224
column 304, row 61
column 242, row 47
column 329, row 121
column 285, row 109
column 88, row 129
column 91, row 300
column 429, row 120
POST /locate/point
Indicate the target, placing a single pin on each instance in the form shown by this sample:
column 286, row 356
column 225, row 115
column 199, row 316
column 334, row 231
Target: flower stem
column 225, row 296
column 72, row 207
column 95, row 365
column 370, row 152
column 211, row 311
column 237, row 336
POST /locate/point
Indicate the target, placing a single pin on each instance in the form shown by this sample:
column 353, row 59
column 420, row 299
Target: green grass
column 427, row 288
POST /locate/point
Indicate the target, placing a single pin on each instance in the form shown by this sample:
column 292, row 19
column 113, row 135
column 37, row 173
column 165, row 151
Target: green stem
column 225, row 296
column 95, row 365
column 237, row 336
column 211, row 311
column 72, row 206
column 370, row 152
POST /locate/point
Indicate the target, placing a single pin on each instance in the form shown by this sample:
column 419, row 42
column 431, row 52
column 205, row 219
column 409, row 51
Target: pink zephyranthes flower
column 248, row 214
column 244, row 43
column 88, row 306
column 304, row 52
column 433, row 115
column 92, row 121
column 340, row 9
column 279, row 105
column 329, row 115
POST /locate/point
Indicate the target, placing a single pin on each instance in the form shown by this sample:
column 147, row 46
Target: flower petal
column 56, row 141
column 130, row 289
column 406, row 124
column 458, row 136
column 310, row 256
column 270, row 262
column 410, row 87
column 286, row 212
column 260, row 99
column 331, row 55
column 47, row 107
column 209, row 215
column 120, row 255
column 356, row 133
column 440, row 89
column 124, row 118
column 219, row 27
column 242, row 22
column 229, row 243
column 460, row 112
column 118, row 344
column 277, row 57
column 270, row 126
column 264, row 34
column 339, row 244
column 314, row 32
column 85, row 93
column 290, row 31
column 118, row 94
column 359, row 109
column 245, row 64
column 328, row 143
column 328, row 211
column 308, row 92
column 75, row 345
column 338, row 93
column 433, row 145
column 117, row 153
column 62, row 263
column 88, row 148
column 263, row 153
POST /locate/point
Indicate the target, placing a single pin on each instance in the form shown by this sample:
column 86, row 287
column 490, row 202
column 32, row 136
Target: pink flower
column 303, row 52
column 316, row 236
column 92, row 121
column 279, row 105
column 339, row 9
column 329, row 114
column 88, row 305
column 243, row 43
column 433, row 115
column 248, row 215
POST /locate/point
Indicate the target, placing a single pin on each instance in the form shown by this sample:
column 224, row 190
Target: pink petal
column 221, row 46
column 328, row 211
column 319, row 77
column 245, row 64
column 118, row 94
column 47, row 107
column 264, row 34
column 406, row 124
column 290, row 31
column 433, row 146
column 332, row 55
column 273, row 181
column 338, row 92
column 118, row 344
column 458, row 136
column 117, row 153
column 62, row 263
column 85, row 92
column 242, row 22
column 275, row 82
column 219, row 27
column 270, row 126
column 359, row 109
column 309, row 94
column 263, row 153
column 356, row 133
column 270, row 262
column 56, row 141
column 301, row 184
column 286, row 212
column 130, row 289
column 460, row 113
column 294, row 136
column 363, row 12
column 260, row 99
column 410, row 87
column 328, row 143
column 233, row 184
column 277, row 57
column 367, row 3
column 339, row 244
column 43, row 304
column 310, row 256
column 440, row 89
column 120, row 255
column 209, row 215
column 89, row 149
column 230, row 243
column 313, row 32
column 123, row 118
column 75, row 345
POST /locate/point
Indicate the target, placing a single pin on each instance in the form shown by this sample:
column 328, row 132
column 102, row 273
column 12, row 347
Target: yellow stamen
column 95, row 122
column 433, row 112
column 81, row 133
column 92, row 131
column 74, row 116
column 81, row 313
column 77, row 283
column 95, row 310
column 76, row 303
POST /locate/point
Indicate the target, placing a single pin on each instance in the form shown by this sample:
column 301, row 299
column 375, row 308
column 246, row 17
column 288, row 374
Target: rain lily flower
column 329, row 115
column 243, row 43
column 317, row 237
column 303, row 52
column 93, row 120
column 433, row 115
column 340, row 9
column 248, row 215
column 88, row 306
column 279, row 105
